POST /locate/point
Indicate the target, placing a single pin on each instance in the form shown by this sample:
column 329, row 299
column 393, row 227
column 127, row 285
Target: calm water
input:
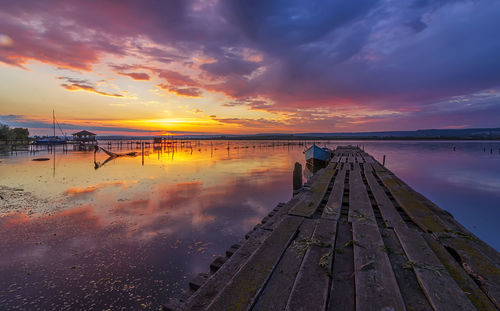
column 130, row 234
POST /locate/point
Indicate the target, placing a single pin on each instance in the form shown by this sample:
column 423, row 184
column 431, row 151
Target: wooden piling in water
column 297, row 177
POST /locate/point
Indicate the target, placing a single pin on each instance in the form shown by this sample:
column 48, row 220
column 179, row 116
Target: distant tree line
column 7, row 133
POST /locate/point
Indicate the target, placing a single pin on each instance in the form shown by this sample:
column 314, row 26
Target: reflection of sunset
column 181, row 208
column 74, row 174
column 76, row 191
column 129, row 224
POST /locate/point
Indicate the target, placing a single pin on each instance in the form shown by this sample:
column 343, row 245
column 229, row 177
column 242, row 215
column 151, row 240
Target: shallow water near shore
column 129, row 235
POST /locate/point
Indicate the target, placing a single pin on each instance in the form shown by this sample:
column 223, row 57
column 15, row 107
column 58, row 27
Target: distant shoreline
column 246, row 138
column 282, row 138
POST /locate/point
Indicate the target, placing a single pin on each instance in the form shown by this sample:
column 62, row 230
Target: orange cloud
column 83, row 85
column 140, row 76
column 88, row 88
column 189, row 91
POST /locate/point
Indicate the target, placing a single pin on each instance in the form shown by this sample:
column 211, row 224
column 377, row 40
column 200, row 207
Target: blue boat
column 317, row 156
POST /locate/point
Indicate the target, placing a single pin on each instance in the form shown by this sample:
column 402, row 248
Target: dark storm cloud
column 230, row 65
column 287, row 24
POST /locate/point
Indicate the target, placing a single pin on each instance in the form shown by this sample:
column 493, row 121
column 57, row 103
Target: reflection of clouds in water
column 37, row 237
column 478, row 181
column 190, row 205
column 168, row 218
column 79, row 191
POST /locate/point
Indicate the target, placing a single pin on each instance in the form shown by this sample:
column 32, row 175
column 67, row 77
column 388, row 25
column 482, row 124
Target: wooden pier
column 355, row 238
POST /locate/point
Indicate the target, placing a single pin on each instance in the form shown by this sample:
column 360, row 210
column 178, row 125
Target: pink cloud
column 189, row 92
column 140, row 76
column 73, row 84
column 177, row 79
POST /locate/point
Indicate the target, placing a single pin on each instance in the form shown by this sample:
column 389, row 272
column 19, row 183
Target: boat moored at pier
column 317, row 156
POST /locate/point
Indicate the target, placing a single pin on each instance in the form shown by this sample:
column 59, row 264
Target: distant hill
column 473, row 133
column 429, row 134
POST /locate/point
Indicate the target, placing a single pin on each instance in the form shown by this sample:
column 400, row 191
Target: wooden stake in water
column 297, row 177
column 383, row 161
column 142, row 145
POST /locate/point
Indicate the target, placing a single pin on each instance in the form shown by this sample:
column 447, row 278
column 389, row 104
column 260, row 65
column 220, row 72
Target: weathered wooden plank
column 313, row 197
column 276, row 215
column 478, row 265
column 389, row 213
column 418, row 212
column 240, row 292
column 202, row 297
column 378, row 167
column 413, row 296
column 439, row 287
column 368, row 158
column 198, row 281
column 312, row 281
column 469, row 287
column 450, row 223
column 358, row 193
column 376, row 285
column 342, row 293
column 332, row 207
column 447, row 218
column 277, row 290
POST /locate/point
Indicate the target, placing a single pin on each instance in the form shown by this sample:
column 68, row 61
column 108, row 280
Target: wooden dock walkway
column 355, row 238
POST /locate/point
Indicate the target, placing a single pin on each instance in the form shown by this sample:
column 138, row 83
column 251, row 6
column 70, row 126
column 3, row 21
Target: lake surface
column 129, row 234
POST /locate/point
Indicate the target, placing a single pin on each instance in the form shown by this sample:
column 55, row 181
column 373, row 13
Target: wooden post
column 142, row 146
column 383, row 161
column 297, row 177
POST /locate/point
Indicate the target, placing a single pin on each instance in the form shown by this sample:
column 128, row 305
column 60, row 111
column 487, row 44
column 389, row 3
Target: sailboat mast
column 54, row 122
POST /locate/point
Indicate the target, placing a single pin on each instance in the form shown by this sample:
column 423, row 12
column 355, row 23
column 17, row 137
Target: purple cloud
column 406, row 58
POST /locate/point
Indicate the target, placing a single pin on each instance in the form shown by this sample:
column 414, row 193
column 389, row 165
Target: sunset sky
column 244, row 67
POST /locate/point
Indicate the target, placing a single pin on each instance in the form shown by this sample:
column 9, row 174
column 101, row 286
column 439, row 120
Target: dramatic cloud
column 136, row 75
column 177, row 79
column 83, row 85
column 250, row 103
column 189, row 92
column 125, row 70
column 252, row 123
column 368, row 64
column 228, row 66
